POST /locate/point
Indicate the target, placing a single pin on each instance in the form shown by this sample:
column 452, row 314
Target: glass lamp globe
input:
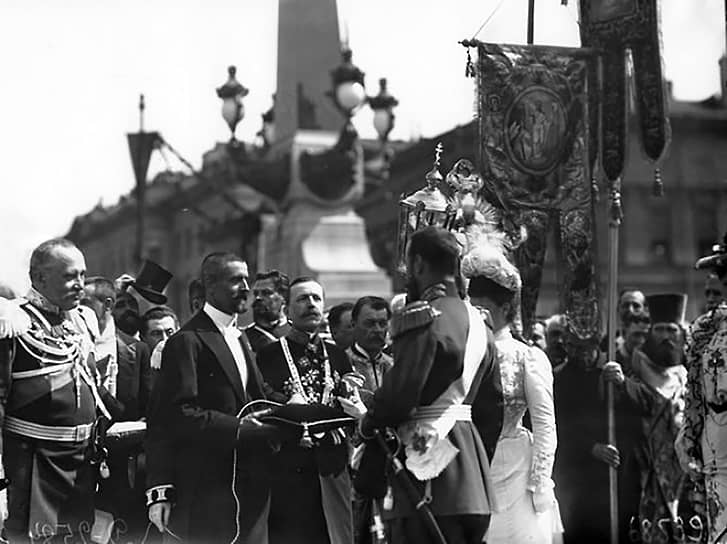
column 350, row 95
column 382, row 122
column 232, row 110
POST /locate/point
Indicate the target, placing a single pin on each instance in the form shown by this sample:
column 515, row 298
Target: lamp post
column 232, row 93
column 348, row 91
column 383, row 105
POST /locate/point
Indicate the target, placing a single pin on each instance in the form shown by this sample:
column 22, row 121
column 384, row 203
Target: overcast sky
column 72, row 72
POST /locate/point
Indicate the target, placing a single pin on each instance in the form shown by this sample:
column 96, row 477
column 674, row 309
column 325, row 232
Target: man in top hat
column 207, row 477
column 656, row 388
column 441, row 352
column 148, row 286
column 311, row 488
column 49, row 400
column 270, row 322
column 702, row 442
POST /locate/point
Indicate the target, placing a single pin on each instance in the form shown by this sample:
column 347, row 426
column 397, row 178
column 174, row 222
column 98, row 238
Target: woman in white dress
column 527, row 511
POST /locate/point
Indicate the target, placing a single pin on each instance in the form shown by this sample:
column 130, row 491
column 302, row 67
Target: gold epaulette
column 413, row 316
column 14, row 321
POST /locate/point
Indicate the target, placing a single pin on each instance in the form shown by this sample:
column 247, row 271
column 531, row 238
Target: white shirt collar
column 221, row 320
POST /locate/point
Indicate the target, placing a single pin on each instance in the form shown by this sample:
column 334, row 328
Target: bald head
column 58, row 271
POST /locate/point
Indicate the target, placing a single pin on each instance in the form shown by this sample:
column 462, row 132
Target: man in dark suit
column 207, row 477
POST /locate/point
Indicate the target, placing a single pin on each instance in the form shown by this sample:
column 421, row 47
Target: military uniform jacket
column 58, row 398
column 374, row 370
column 311, row 489
column 260, row 336
column 429, row 349
column 48, row 402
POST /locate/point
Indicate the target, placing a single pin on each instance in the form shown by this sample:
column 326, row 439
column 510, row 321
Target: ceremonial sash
column 295, row 375
column 429, row 426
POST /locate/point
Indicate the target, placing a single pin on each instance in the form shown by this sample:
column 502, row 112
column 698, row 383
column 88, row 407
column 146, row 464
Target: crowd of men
column 121, row 425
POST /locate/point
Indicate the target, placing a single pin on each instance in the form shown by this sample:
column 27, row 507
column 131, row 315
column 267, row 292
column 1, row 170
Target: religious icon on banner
column 534, row 144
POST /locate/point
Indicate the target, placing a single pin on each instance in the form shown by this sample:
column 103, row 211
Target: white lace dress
column 523, row 461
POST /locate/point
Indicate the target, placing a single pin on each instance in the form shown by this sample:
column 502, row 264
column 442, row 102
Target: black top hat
column 151, row 282
column 667, row 307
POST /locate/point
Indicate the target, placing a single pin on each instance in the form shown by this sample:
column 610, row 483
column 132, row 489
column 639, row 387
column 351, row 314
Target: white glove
column 543, row 500
column 297, row 398
column 123, row 281
column 353, row 406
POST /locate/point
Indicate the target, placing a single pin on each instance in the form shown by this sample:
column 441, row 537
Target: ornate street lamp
column 383, row 105
column 425, row 207
column 232, row 93
column 348, row 91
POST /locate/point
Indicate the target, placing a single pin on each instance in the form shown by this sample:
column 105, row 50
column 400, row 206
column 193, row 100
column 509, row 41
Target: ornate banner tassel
column 469, row 70
column 658, row 188
column 306, row 441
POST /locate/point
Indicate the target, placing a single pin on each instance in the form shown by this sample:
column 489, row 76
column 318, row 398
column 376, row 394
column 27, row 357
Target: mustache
column 312, row 313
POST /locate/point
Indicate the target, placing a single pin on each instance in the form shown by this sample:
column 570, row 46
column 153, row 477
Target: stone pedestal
column 329, row 245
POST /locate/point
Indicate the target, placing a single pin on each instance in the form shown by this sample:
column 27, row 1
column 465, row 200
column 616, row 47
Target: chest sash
column 428, row 450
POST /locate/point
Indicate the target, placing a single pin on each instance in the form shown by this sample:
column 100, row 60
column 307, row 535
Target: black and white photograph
column 347, row 272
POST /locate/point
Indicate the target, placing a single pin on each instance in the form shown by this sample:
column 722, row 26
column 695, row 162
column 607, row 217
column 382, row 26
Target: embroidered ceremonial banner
column 613, row 26
column 534, row 145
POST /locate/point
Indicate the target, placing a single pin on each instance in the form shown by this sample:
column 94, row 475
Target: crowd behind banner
column 121, row 424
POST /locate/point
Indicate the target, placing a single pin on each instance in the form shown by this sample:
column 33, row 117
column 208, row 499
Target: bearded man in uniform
column 442, row 349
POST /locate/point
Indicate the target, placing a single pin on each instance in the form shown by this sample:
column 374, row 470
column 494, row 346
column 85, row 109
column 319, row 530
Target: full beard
column 129, row 322
column 412, row 290
column 665, row 353
column 266, row 315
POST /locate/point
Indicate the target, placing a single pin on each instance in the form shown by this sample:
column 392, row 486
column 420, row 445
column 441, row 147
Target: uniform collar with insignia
column 39, row 300
column 362, row 353
column 439, row 290
column 303, row 338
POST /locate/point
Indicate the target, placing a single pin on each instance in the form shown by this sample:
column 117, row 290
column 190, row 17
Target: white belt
column 458, row 412
column 41, row 371
column 55, row 433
